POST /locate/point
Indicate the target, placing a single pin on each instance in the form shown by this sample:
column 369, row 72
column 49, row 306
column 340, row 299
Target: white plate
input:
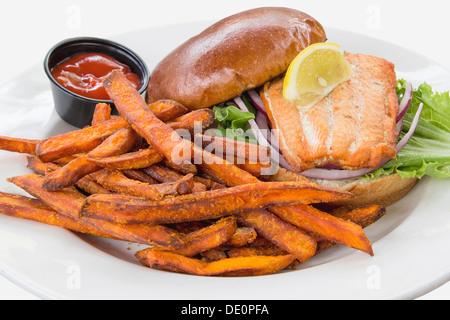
column 411, row 243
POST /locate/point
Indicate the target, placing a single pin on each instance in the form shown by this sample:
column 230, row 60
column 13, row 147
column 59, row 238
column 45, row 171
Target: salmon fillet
column 354, row 127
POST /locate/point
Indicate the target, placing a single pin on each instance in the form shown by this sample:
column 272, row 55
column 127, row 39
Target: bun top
column 234, row 55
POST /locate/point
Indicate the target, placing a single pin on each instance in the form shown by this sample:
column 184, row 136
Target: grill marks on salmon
column 354, row 127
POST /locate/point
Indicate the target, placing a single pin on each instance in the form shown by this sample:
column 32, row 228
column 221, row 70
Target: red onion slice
column 263, row 123
column 257, row 101
column 253, row 125
column 406, row 101
column 261, row 138
column 325, row 174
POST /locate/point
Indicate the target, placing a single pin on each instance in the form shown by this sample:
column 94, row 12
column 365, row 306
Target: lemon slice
column 314, row 73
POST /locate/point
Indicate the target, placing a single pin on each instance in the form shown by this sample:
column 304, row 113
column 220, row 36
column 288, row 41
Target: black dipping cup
column 73, row 108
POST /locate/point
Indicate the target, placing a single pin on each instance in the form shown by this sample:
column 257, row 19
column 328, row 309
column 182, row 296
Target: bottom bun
column 383, row 191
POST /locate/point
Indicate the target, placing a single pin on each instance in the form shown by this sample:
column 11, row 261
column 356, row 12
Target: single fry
column 102, row 113
column 209, row 183
column 286, row 236
column 283, row 175
column 68, row 175
column 209, row 237
column 214, row 255
column 221, row 170
column 256, row 251
column 167, row 110
column 256, row 169
column 242, row 237
column 223, row 147
column 167, row 175
column 18, row 145
column 134, row 109
column 86, row 183
column 39, row 167
column 68, row 202
column 204, row 205
column 325, row 225
column 184, row 167
column 140, row 159
column 202, row 118
column 139, row 175
column 116, row 181
column 231, row 267
column 79, row 141
column 162, row 174
column 116, row 144
column 363, row 217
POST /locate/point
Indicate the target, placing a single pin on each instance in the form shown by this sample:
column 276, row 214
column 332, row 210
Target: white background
column 29, row 28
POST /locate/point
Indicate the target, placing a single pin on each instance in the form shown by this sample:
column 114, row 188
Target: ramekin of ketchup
column 83, row 74
column 76, row 68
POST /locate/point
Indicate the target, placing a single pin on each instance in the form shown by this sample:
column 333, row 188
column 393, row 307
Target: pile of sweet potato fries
column 134, row 178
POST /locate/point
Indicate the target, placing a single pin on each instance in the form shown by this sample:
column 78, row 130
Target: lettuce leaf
column 233, row 122
column 428, row 151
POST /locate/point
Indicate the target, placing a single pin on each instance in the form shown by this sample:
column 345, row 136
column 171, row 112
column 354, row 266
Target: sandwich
column 340, row 140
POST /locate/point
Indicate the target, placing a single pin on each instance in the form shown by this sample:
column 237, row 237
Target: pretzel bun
column 234, row 55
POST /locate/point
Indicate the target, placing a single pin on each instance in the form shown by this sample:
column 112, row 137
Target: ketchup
column 83, row 74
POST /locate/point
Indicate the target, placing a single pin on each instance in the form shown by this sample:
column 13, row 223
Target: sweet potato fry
column 69, row 174
column 222, row 147
column 139, row 175
column 33, row 209
column 221, row 170
column 79, row 141
column 214, row 255
column 162, row 174
column 140, row 159
column 18, row 145
column 209, row 183
column 102, row 113
column 202, row 118
column 185, row 167
column 242, row 237
column 86, row 183
column 166, row 110
column 363, row 217
column 327, row 226
column 205, row 205
column 134, row 109
column 286, row 236
column 118, row 143
column 166, row 175
column 116, row 181
column 256, row 169
column 283, row 175
column 232, row 267
column 256, row 251
column 209, row 237
column 39, row 167
column 68, row 202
